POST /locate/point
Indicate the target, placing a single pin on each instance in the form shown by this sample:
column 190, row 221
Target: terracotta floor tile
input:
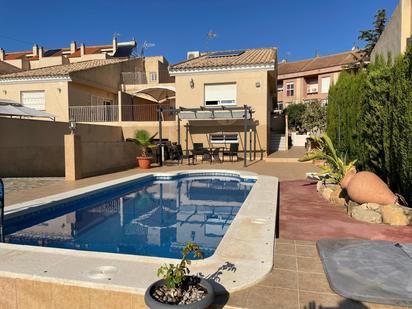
column 272, row 298
column 238, row 299
column 305, row 242
column 304, row 250
column 8, row 293
column 288, row 249
column 285, row 262
column 284, row 241
column 312, row 282
column 138, row 301
column 310, row 300
column 309, row 264
column 282, row 279
column 33, row 294
column 110, row 299
column 67, row 296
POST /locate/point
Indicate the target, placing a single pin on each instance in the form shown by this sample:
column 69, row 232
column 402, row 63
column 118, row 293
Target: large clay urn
column 347, row 178
column 366, row 187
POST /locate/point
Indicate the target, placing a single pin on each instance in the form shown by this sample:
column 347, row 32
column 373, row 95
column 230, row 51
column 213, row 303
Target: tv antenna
column 211, row 35
column 145, row 46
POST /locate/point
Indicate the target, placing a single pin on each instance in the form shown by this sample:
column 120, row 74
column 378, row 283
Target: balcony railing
column 94, row 113
column 110, row 113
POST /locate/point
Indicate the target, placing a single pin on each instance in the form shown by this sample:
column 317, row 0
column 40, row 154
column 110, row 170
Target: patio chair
column 232, row 152
column 198, row 150
column 181, row 156
column 215, row 155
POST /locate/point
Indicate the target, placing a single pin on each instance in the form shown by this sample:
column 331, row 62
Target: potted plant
column 179, row 289
column 143, row 139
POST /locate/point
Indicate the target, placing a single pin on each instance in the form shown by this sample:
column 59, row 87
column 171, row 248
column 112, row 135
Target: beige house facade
column 229, row 79
column 71, row 90
column 308, row 80
column 397, row 34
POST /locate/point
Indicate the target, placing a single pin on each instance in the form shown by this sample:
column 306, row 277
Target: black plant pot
column 152, row 303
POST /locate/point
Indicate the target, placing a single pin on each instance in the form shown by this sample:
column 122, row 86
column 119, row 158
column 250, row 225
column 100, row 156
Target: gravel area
column 22, row 184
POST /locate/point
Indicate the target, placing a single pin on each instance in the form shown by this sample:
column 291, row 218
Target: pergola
column 201, row 113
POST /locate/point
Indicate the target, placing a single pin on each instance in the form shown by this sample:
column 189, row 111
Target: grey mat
column 368, row 270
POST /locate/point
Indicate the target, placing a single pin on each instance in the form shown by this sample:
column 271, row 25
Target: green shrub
column 369, row 117
column 295, row 113
column 314, row 118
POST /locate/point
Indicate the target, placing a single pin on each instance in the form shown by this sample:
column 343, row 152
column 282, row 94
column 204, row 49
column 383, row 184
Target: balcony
column 110, row 113
column 312, row 89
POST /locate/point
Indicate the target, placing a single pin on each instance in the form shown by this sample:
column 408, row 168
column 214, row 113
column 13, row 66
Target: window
column 325, row 84
column 220, row 94
column 225, row 138
column 280, row 87
column 279, row 106
column 33, row 99
column 290, row 89
column 153, row 76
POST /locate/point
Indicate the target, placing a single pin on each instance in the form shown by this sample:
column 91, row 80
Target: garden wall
column 35, row 148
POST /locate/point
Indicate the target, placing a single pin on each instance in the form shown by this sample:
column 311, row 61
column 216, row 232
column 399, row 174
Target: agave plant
column 144, row 139
column 335, row 167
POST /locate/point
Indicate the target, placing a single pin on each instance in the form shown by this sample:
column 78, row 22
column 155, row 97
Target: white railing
column 109, row 113
column 94, row 113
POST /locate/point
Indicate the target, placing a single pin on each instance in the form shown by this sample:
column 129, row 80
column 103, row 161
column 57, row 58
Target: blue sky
column 299, row 28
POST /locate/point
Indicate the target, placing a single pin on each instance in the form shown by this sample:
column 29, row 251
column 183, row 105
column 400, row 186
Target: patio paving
column 297, row 279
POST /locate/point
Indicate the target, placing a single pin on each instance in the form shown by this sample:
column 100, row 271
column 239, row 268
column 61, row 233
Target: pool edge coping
column 232, row 241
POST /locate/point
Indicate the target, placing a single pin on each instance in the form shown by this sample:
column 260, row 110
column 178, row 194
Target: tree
column 314, row 118
column 295, row 113
column 372, row 36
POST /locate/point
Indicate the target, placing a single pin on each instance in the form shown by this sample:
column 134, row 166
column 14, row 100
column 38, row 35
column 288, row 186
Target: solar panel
column 229, row 53
column 123, row 51
column 50, row 52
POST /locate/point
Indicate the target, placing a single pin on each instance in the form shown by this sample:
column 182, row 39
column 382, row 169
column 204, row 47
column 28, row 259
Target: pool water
column 154, row 217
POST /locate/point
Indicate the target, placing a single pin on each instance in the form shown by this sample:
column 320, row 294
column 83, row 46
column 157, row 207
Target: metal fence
column 110, row 113
column 94, row 113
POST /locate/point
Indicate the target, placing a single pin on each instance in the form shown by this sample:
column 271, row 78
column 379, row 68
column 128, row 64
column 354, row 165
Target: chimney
column 73, row 47
column 2, row 54
column 82, row 50
column 114, row 42
column 35, row 50
column 40, row 52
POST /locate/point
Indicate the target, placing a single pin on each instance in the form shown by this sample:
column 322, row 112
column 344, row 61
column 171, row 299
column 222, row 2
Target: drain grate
column 102, row 272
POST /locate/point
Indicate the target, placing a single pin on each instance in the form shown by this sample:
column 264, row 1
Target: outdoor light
column 5, row 92
column 72, row 125
column 59, row 90
column 192, row 83
column 257, row 84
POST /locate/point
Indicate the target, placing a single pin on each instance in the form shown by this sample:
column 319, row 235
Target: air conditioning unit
column 192, row 54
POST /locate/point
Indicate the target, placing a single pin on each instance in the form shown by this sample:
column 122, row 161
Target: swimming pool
column 151, row 216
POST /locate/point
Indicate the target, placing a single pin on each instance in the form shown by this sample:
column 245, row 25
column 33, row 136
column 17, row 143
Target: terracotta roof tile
column 6, row 68
column 318, row 62
column 248, row 57
column 17, row 55
column 60, row 70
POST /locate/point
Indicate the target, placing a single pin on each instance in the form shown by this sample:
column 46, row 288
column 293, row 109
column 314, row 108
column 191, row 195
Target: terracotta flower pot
column 366, row 187
column 144, row 162
column 347, row 178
